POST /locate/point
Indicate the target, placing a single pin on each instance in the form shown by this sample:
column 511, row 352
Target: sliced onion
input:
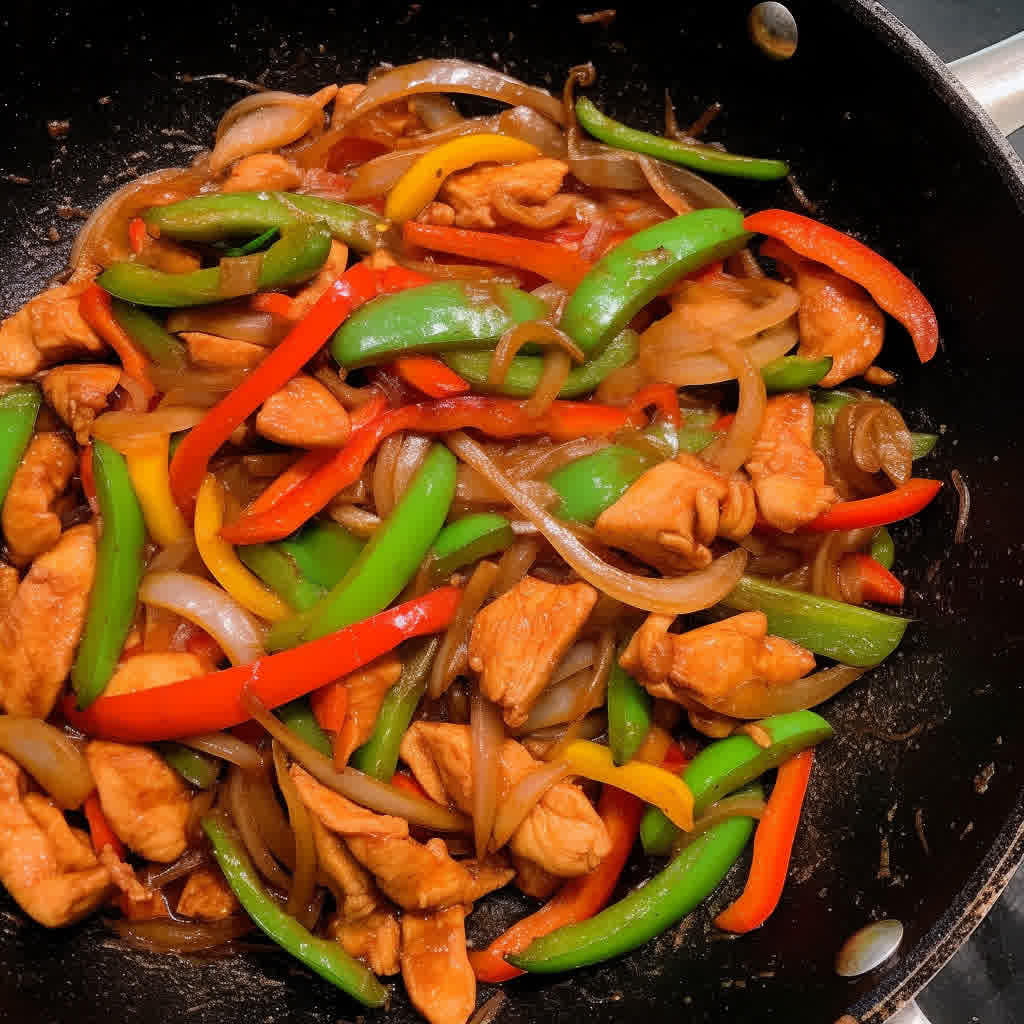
column 541, row 744
column 239, row 275
column 487, row 734
column 488, row 125
column 49, row 756
column 740, row 805
column 734, row 449
column 435, row 111
column 675, row 201
column 237, row 322
column 254, row 842
column 165, row 935
column 669, row 596
column 138, row 400
column 236, row 631
column 488, row 1013
column 227, row 748
column 527, row 124
column 758, row 700
column 117, row 428
column 515, row 563
column 156, row 878
column 414, row 451
column 538, row 332
column 523, row 797
column 355, row 520
column 377, row 176
column 355, row 785
column 263, row 122
column 173, row 558
column 562, row 702
column 303, row 886
column 268, row 816
column 199, row 388
column 577, row 658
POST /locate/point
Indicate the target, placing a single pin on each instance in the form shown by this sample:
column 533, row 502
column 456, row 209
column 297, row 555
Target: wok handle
column 909, row 1014
column 995, row 77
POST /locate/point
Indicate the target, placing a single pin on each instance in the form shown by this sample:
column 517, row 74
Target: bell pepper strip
column 100, row 833
column 298, row 716
column 905, row 501
column 883, row 549
column 696, row 155
column 330, row 706
column 405, row 782
column 524, row 372
column 118, row 574
column 725, row 765
column 275, row 303
column 88, row 479
column 649, row 782
column 94, row 305
column 629, row 715
column 553, row 262
column 147, row 467
column 245, row 214
column 19, row 408
column 892, row 290
column 676, row 759
column 577, row 900
column 297, row 473
column 378, row 756
column 325, row 957
column 280, row 573
column 149, row 335
column 875, row 581
column 833, row 629
column 220, row 558
column 213, row 702
column 922, row 444
column 647, row 911
column 662, row 397
column 323, row 551
column 794, row 373
column 430, row 376
column 137, row 234
column 387, row 563
column 356, row 286
column 642, row 266
column 436, row 316
column 254, row 244
column 423, row 180
column 467, row 540
column 693, row 440
column 587, row 486
column 773, row 844
column 496, row 417
column 299, row 253
column 196, row 768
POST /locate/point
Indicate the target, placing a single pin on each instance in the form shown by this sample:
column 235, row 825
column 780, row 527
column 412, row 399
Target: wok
column 890, row 148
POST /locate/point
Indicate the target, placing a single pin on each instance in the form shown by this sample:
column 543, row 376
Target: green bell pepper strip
column 525, row 371
column 468, row 540
column 587, row 486
column 118, row 574
column 19, row 408
column 922, row 444
column 323, row 956
column 196, row 768
column 883, row 549
column 149, row 334
column 296, row 256
column 826, row 409
column 378, row 756
column 298, row 716
column 279, row 571
column 322, row 551
column 850, row 634
column 794, row 373
column 669, row 896
column 629, row 276
column 726, row 765
column 388, row 561
column 695, row 155
column 629, row 715
column 253, row 245
column 244, row 214
column 693, row 440
column 432, row 318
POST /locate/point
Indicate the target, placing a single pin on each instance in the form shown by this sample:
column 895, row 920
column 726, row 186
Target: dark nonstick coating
column 880, row 139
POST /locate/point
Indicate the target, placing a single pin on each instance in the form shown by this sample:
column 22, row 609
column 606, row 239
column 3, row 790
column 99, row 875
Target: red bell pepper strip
column 578, row 899
column 890, row 288
column 100, row 831
column 676, row 759
column 905, row 501
column 275, row 303
column 496, row 417
column 330, row 706
column 213, row 702
column 550, row 261
column 405, row 782
column 430, row 375
column 875, row 581
column 297, row 473
column 773, row 844
column 136, row 234
column 94, row 306
column 201, row 644
column 88, row 479
column 663, row 397
column 355, row 287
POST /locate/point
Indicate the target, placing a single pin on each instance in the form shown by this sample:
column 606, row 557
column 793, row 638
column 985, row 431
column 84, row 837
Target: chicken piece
column 473, row 194
column 562, row 833
column 707, row 664
column 145, row 801
column 210, row 352
column 788, row 475
column 373, row 939
column 304, row 414
column 489, row 874
column 40, row 629
column 670, row 515
column 517, row 641
column 437, row 213
column 78, row 392
column 124, row 878
column 29, row 522
column 207, row 896
column 367, row 688
column 435, row 965
column 341, row 815
column 45, row 865
column 8, row 586
column 837, row 317
column 147, row 671
column 533, row 880
column 352, row 886
column 264, row 172
column 333, row 268
column 167, row 255
column 46, row 330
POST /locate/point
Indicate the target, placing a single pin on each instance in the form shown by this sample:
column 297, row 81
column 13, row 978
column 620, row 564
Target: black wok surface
column 890, row 151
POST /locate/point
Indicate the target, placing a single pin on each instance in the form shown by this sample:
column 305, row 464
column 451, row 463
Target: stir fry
column 398, row 506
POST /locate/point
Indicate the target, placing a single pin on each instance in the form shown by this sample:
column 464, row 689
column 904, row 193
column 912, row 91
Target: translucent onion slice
column 734, row 449
column 49, row 756
column 118, row 428
column 523, row 797
column 487, row 734
column 268, row 121
column 227, row 748
column 756, row 700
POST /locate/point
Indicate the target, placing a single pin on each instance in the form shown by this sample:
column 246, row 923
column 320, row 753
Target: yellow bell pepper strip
column 649, row 782
column 423, row 180
column 220, row 558
column 147, row 466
